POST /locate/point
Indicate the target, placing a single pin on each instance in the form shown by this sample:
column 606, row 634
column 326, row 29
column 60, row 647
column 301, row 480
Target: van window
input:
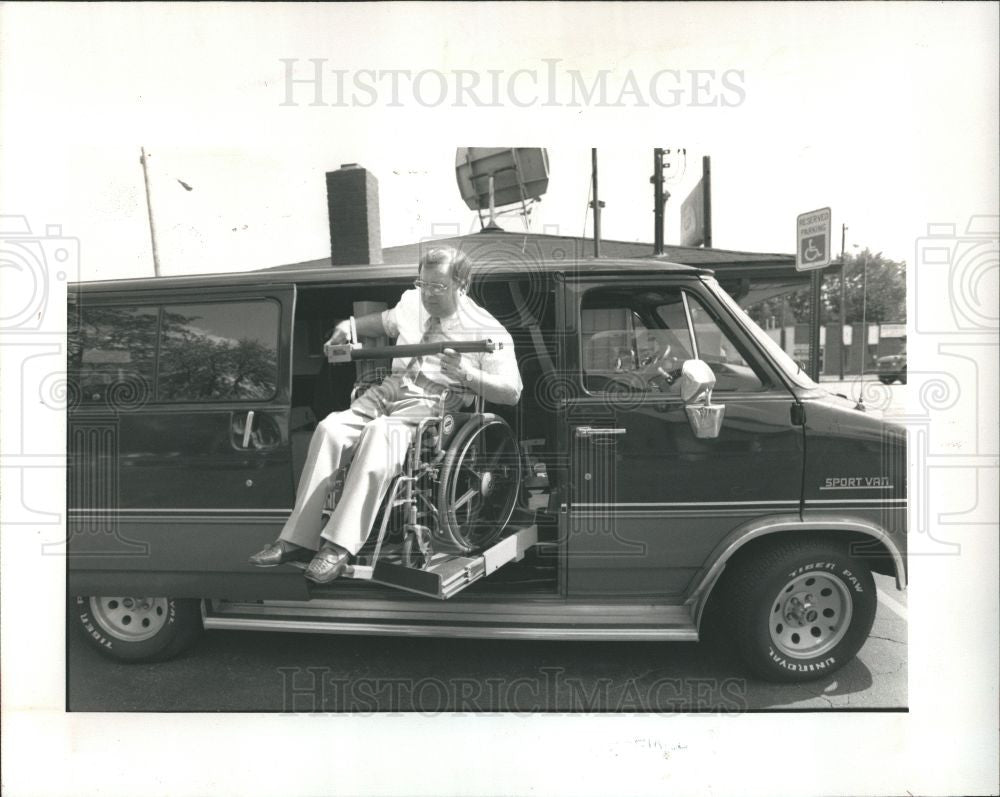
column 111, row 353
column 638, row 338
column 733, row 371
column 226, row 351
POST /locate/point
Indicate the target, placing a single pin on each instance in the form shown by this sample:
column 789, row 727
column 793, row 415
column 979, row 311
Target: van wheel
column 887, row 380
column 137, row 629
column 799, row 610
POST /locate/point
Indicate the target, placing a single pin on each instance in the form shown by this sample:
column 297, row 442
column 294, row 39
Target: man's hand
column 341, row 334
column 453, row 365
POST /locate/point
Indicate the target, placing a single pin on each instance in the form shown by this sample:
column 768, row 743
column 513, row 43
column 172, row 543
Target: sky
column 886, row 113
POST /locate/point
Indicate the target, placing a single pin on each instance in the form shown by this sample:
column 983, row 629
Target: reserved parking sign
column 812, row 232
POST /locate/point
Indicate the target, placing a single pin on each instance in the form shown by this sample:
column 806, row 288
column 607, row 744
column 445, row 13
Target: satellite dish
column 491, row 177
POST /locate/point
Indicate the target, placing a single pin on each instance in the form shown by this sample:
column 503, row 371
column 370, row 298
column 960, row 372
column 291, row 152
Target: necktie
column 432, row 334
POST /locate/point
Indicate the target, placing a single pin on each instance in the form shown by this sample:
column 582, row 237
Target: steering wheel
column 661, row 370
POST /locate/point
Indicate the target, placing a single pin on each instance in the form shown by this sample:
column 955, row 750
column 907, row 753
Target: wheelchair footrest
column 448, row 574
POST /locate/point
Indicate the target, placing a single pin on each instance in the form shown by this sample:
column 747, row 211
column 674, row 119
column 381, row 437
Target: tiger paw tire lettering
column 135, row 629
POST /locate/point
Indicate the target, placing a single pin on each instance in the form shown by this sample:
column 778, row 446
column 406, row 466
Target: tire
column 799, row 610
column 132, row 629
column 887, row 380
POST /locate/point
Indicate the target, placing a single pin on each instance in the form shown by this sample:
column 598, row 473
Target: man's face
column 438, row 302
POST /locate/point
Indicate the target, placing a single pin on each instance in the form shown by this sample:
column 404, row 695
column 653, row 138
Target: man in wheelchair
column 372, row 437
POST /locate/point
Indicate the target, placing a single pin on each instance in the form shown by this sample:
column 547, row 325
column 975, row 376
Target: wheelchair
column 460, row 480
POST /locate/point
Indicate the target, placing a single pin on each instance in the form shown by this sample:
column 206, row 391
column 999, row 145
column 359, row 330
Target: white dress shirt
column 408, row 320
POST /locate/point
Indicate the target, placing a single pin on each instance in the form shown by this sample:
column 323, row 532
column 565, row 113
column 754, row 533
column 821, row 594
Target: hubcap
column 130, row 619
column 810, row 615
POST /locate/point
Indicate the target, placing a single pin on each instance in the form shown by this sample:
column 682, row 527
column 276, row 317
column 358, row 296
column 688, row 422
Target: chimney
column 352, row 203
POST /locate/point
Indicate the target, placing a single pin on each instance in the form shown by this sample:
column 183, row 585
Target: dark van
column 669, row 470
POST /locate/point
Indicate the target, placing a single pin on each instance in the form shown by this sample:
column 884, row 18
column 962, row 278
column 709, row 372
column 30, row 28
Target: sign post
column 812, row 253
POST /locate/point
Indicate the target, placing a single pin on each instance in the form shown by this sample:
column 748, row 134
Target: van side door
column 650, row 500
column 179, row 456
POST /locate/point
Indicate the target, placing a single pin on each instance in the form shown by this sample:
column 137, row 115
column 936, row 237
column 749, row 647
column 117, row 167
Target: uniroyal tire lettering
column 794, row 666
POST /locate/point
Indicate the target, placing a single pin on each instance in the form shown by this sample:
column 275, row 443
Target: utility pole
column 596, row 204
column 706, row 187
column 864, row 313
column 843, row 296
column 149, row 210
column 781, row 334
column 659, row 198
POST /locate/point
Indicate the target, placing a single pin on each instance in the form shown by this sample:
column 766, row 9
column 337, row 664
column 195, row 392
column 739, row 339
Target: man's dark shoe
column 328, row 563
column 279, row 552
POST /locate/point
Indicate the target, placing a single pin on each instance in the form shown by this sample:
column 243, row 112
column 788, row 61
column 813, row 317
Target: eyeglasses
column 433, row 288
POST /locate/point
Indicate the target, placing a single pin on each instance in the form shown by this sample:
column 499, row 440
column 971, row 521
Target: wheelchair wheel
column 480, row 478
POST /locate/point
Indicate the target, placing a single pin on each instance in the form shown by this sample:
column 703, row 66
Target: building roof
column 518, row 246
column 500, row 252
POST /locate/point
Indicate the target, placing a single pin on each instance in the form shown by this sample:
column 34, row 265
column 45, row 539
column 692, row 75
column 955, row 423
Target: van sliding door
column 180, row 461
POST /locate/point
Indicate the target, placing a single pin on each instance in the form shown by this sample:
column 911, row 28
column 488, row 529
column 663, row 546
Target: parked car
column 669, row 472
column 892, row 367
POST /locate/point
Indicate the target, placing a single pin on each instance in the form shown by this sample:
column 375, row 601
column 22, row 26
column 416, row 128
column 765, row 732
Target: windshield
column 779, row 355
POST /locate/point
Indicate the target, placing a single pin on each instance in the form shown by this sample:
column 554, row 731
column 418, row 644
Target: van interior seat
column 301, row 425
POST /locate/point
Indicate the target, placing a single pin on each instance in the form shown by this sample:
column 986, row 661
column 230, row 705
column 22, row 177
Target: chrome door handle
column 598, row 431
column 248, row 429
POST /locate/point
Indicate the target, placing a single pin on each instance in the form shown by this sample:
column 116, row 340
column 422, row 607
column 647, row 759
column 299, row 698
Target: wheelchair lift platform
column 446, row 574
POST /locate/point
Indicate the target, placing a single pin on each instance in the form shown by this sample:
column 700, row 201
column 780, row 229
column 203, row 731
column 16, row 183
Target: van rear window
column 112, row 354
column 223, row 352
column 219, row 351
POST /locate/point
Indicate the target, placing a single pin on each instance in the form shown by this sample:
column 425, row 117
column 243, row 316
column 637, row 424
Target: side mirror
column 696, row 383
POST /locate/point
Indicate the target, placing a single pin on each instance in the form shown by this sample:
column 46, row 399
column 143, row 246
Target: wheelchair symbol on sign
column 811, row 253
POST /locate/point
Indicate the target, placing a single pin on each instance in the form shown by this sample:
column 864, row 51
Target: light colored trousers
column 371, row 438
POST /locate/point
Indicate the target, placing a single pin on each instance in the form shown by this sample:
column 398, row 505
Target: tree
column 787, row 309
column 884, row 297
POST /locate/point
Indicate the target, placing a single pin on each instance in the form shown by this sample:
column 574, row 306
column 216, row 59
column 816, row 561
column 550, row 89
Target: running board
column 545, row 618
